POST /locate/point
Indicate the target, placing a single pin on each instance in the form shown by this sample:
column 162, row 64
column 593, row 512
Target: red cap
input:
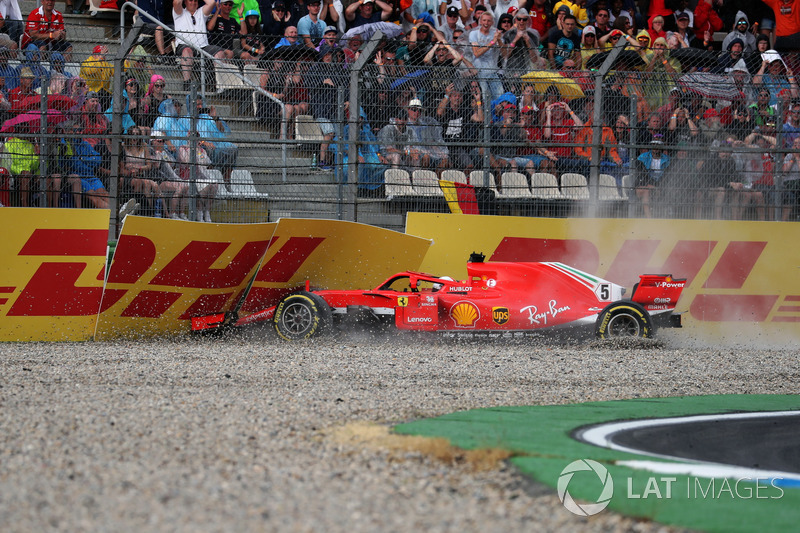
column 710, row 113
column 97, row 49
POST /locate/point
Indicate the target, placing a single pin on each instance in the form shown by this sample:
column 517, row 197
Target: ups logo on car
column 500, row 315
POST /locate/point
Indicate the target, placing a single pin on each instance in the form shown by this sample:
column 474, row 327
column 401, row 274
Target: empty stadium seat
column 545, row 186
column 454, row 175
column 426, row 183
column 514, row 185
column 398, row 183
column 306, row 130
column 574, row 186
column 608, row 189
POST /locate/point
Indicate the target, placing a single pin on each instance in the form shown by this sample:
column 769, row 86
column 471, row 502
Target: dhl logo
column 686, row 259
column 53, row 289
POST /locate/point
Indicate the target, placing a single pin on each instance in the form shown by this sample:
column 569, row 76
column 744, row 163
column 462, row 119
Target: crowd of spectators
column 459, row 83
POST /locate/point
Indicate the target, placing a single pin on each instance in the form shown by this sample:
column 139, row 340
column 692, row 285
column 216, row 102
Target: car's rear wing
column 658, row 292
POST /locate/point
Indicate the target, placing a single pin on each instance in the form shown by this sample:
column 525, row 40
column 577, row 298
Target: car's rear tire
column 624, row 319
column 302, row 315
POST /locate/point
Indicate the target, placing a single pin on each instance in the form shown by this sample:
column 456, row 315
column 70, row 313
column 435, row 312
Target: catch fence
column 374, row 127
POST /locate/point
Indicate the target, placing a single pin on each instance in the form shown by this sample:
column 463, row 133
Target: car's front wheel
column 302, row 315
column 624, row 319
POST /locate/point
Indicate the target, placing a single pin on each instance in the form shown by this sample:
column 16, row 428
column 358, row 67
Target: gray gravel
column 243, row 433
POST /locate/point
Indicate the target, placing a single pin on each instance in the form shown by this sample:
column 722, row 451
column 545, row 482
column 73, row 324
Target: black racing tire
column 624, row 319
column 302, row 315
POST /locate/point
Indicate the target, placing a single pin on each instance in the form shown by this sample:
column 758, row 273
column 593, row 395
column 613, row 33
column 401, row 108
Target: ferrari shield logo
column 500, row 315
column 402, row 301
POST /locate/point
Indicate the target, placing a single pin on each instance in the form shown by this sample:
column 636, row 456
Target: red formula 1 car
column 497, row 300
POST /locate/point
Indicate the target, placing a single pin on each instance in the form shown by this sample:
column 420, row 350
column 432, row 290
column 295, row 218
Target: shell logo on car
column 465, row 314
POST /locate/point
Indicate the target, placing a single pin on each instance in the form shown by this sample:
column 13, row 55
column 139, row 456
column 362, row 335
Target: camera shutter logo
column 586, row 509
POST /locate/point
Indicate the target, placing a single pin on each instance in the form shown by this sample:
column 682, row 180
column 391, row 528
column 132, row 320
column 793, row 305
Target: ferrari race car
column 503, row 299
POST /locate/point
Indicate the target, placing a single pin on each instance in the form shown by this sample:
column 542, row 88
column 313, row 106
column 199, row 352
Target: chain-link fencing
column 366, row 127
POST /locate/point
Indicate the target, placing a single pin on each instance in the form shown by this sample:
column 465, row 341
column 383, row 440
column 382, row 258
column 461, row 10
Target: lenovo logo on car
column 413, row 319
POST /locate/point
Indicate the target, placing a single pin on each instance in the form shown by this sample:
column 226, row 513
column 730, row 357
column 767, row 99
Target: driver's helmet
column 437, row 286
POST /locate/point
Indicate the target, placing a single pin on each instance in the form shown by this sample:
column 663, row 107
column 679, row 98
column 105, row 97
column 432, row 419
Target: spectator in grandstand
column 787, row 25
column 706, row 21
column 452, row 22
column 172, row 123
column 223, row 30
column 610, row 160
column 171, row 187
column 711, row 180
column 351, row 48
column 791, row 182
column 461, row 116
column 791, row 128
column 398, row 145
column 98, row 72
column 448, row 64
column 560, row 129
column 24, row 163
column 290, row 38
column 82, row 168
column 741, row 31
column 273, row 81
column 295, row 95
column 252, row 39
column 685, row 37
column 622, row 134
column 733, row 53
column 542, row 159
column 507, row 136
column 311, row 27
column 589, row 45
column 754, row 59
column 5, row 40
column 660, row 74
column 330, row 37
column 485, row 42
column 650, row 171
column 563, row 44
column 681, row 129
column 617, row 10
column 656, row 29
column 274, row 22
column 433, row 152
column 710, row 127
column 652, row 129
column 602, row 22
column 206, row 184
column 421, row 39
column 33, row 61
column 191, row 31
column 504, row 22
column 520, row 46
column 576, row 8
column 45, row 29
column 24, row 89
column 131, row 106
column 138, row 166
column 761, row 111
column 363, row 12
column 93, row 125
column 213, row 130
column 12, row 21
column 152, row 99
column 323, row 81
column 297, row 9
column 775, row 75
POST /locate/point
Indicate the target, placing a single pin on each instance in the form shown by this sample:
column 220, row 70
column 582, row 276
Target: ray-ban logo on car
column 500, row 315
column 585, row 473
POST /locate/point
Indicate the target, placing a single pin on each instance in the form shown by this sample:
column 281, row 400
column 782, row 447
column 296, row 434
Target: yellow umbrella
column 542, row 79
